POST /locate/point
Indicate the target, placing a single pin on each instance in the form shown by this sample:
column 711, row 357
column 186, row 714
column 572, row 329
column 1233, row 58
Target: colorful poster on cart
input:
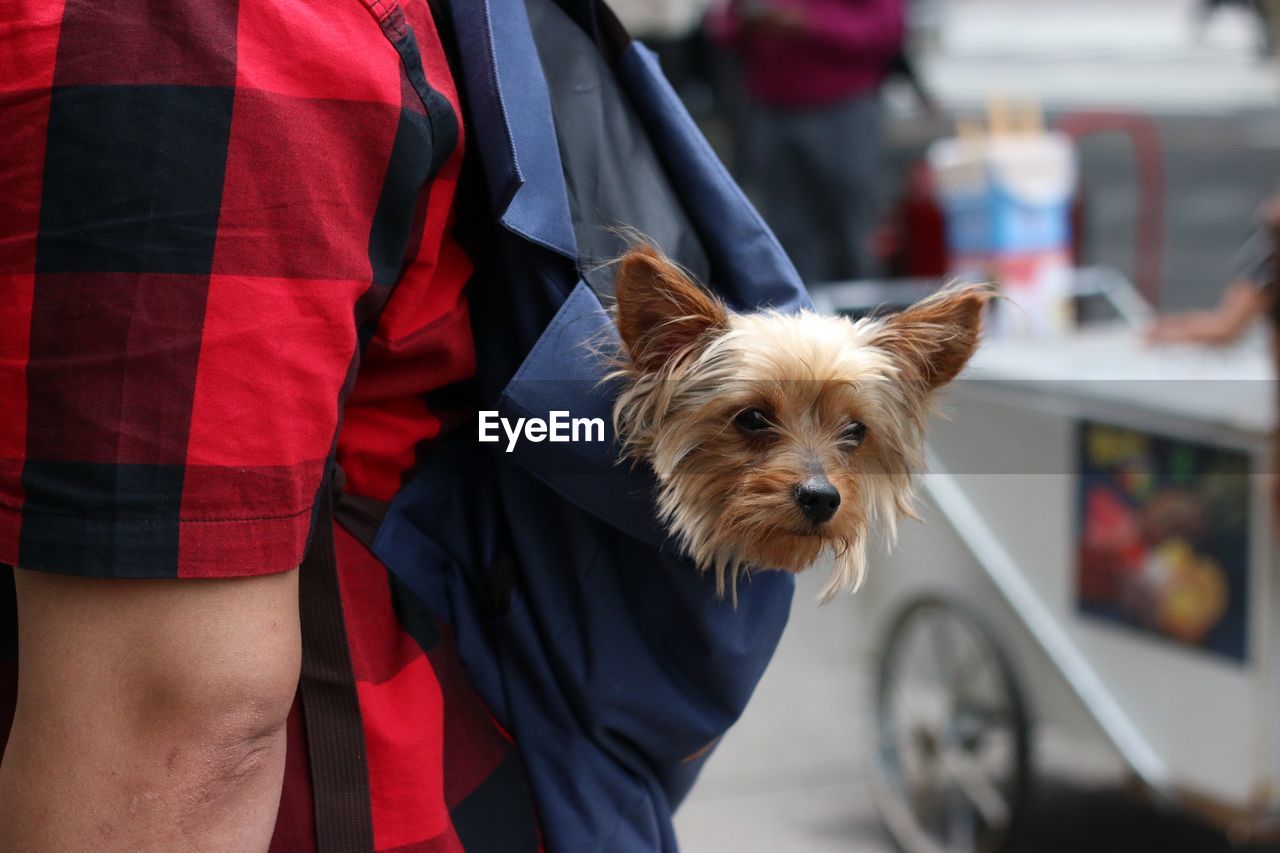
column 1163, row 537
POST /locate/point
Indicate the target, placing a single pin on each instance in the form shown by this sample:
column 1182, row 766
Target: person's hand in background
column 1243, row 302
column 1246, row 298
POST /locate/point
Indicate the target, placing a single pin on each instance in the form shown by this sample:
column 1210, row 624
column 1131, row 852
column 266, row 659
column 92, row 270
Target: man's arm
column 189, row 192
column 150, row 713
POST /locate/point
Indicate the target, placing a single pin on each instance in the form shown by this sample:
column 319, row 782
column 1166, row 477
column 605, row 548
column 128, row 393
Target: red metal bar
column 1144, row 136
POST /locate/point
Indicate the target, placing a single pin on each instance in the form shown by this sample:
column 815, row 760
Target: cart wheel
column 951, row 768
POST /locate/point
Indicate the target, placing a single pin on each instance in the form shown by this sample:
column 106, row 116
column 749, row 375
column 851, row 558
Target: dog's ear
column 660, row 311
column 934, row 339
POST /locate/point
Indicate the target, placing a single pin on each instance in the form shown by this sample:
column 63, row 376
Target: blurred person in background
column 813, row 71
column 1248, row 295
column 1253, row 293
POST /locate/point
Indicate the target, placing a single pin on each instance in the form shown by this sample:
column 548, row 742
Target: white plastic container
column 1007, row 201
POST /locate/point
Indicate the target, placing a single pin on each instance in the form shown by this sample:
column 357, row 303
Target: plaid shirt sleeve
column 203, row 209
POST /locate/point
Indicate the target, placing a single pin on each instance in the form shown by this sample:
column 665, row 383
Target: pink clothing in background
column 843, row 50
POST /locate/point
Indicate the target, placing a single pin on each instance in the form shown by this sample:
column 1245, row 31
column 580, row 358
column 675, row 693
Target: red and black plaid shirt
column 223, row 225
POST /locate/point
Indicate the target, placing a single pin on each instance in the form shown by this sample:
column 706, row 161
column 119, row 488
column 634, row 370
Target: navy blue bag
column 604, row 652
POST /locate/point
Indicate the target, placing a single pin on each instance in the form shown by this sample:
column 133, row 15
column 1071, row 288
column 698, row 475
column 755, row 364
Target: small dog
column 778, row 438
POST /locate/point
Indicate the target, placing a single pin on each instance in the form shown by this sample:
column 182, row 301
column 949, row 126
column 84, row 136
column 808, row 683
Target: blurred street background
column 790, row 776
column 1214, row 99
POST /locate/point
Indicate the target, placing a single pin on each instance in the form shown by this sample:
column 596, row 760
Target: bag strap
column 331, row 709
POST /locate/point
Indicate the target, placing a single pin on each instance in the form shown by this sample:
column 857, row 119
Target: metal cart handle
column 1003, row 571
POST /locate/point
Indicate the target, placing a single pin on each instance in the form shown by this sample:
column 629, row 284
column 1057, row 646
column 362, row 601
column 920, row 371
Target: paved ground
column 789, row 777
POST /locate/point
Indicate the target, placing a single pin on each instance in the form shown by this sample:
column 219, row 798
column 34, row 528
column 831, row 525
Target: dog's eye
column 752, row 420
column 855, row 433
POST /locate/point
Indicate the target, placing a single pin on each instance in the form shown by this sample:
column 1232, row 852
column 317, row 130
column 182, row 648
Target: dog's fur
column 693, row 371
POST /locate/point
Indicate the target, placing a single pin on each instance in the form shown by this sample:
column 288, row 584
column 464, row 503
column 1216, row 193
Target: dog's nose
column 818, row 499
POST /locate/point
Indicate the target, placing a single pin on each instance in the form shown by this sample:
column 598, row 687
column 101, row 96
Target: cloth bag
column 605, row 653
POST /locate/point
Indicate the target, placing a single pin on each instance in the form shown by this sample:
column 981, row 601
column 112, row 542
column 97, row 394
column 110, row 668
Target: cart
column 1096, row 565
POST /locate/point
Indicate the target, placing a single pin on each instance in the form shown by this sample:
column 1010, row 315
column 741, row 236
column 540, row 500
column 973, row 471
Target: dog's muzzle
column 817, row 499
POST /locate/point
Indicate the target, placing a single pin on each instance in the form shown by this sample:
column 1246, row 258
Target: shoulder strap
column 331, row 710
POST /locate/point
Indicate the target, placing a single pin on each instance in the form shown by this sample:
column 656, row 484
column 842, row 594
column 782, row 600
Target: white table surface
column 1230, row 386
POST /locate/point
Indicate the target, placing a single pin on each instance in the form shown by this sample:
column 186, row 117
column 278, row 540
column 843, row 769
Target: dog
column 778, row 439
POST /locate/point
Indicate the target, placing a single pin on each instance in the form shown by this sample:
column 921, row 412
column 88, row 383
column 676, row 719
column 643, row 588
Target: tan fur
column 727, row 496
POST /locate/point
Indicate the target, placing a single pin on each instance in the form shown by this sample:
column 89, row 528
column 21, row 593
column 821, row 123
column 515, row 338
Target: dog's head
column 778, row 437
